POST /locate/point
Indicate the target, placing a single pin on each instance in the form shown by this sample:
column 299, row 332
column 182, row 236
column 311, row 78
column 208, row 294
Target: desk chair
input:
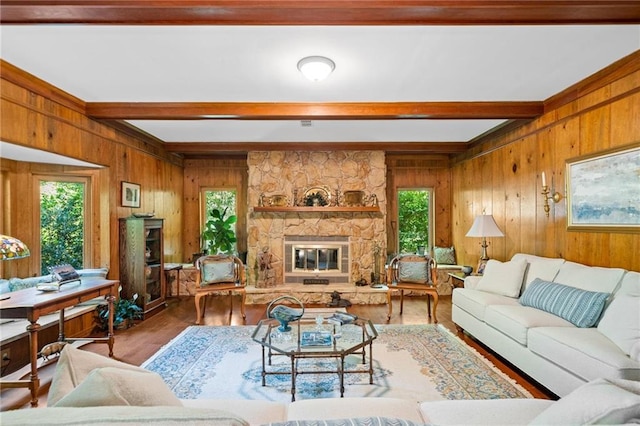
column 414, row 273
column 219, row 273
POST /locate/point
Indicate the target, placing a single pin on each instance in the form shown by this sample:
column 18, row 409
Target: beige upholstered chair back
column 412, row 268
column 220, row 269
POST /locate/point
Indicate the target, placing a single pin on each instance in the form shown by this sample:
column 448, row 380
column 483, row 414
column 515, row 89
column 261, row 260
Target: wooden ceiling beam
column 312, row 111
column 320, row 12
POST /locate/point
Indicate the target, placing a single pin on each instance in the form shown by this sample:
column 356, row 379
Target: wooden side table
column 457, row 279
column 168, row 268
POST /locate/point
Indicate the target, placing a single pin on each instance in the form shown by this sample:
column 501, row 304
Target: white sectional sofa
column 91, row 389
column 528, row 310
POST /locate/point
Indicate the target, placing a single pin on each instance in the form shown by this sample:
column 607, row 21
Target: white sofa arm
column 472, row 281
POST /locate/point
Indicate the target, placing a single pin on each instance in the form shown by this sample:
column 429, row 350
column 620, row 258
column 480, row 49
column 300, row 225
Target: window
column 63, row 222
column 414, row 220
column 222, row 199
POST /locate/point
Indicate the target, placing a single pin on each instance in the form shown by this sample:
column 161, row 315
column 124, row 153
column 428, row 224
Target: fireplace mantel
column 328, row 209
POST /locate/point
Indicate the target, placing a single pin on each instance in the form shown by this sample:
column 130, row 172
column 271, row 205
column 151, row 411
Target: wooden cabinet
column 141, row 262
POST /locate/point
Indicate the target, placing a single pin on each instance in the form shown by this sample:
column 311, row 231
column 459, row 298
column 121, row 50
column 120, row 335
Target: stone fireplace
column 355, row 236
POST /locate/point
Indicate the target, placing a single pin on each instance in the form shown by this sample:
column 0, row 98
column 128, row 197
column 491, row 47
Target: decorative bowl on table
column 285, row 314
column 466, row 270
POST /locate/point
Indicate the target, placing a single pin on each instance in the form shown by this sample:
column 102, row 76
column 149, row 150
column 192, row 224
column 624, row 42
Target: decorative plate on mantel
column 317, row 196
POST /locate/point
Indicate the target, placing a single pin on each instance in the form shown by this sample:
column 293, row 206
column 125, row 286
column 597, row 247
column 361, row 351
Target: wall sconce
column 555, row 196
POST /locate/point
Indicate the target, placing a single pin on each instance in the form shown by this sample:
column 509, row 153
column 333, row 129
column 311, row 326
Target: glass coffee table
column 315, row 339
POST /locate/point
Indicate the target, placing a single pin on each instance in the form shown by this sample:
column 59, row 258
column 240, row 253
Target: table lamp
column 12, row 248
column 484, row 226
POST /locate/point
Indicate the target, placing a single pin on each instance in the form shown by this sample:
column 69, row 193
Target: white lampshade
column 316, row 68
column 484, row 226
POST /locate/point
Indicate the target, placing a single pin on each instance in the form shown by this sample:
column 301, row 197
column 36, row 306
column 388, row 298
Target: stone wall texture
column 288, row 173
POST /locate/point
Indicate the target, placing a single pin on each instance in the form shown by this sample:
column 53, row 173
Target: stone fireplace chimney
column 283, row 174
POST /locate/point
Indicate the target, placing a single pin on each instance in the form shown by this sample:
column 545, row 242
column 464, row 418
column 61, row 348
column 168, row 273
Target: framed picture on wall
column 130, row 194
column 602, row 191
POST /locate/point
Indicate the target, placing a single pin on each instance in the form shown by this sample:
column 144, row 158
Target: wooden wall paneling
column 415, row 171
column 213, row 173
column 625, row 124
column 545, row 227
column 33, row 121
column 589, row 125
column 595, row 134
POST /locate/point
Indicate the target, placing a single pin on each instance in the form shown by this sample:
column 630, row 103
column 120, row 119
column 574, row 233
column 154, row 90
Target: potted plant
column 125, row 311
column 219, row 235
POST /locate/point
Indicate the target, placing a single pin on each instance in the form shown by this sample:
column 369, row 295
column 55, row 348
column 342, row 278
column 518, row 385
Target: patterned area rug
column 417, row 362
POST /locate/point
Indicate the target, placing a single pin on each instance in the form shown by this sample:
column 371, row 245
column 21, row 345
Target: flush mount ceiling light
column 316, row 68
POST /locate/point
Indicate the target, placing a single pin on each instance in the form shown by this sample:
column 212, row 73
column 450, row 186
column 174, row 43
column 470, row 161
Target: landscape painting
column 604, row 191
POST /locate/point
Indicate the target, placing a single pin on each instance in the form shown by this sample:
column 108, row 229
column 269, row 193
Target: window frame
column 430, row 214
column 87, row 243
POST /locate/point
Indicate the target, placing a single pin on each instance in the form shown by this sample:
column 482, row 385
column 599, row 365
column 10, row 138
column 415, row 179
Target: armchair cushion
column 413, row 272
column 218, row 272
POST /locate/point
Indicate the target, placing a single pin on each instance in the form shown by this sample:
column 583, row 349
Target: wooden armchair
column 216, row 274
column 414, row 273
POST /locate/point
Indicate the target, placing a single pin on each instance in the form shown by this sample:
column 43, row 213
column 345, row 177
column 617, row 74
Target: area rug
column 417, row 362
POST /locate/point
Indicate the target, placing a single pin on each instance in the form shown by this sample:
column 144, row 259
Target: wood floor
column 138, row 343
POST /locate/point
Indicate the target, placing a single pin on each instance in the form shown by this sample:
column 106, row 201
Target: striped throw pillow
column 580, row 307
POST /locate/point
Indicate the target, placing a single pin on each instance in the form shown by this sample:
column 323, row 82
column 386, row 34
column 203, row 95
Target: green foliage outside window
column 61, row 224
column 413, row 220
column 218, row 234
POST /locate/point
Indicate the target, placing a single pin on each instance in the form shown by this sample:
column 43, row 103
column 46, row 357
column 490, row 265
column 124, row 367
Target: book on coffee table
column 316, row 338
column 342, row 318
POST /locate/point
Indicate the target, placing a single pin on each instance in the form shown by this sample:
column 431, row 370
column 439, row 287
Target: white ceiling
column 103, row 63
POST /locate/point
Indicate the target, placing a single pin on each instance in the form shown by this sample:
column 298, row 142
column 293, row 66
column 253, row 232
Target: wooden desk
column 31, row 304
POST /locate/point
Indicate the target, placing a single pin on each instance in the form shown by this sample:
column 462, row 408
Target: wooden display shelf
column 304, row 209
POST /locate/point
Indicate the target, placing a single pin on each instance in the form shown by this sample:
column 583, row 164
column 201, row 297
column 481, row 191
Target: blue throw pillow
column 580, row 307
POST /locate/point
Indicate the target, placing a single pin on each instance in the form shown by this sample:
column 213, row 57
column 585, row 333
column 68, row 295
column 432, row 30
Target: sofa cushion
column 601, row 401
column 254, row 411
column 590, row 278
column 580, row 307
column 621, row 319
column 121, row 415
column 545, row 268
column 515, row 321
column 73, row 366
column 444, row 255
column 586, row 352
column 353, row 421
column 116, row 386
column 475, row 302
column 341, row 408
column 16, row 284
column 93, row 272
column 503, row 278
column 513, row 411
